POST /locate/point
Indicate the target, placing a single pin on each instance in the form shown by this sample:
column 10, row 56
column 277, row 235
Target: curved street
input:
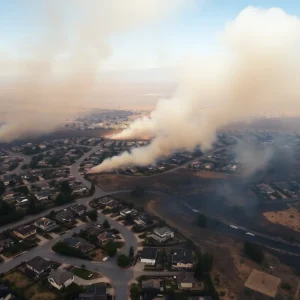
column 120, row 278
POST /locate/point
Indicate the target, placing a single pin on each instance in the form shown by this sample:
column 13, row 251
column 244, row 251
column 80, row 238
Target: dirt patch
column 231, row 266
column 263, row 283
column 38, row 292
column 98, row 255
column 289, row 218
column 18, row 279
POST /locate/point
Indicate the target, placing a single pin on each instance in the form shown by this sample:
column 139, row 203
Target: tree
column 201, row 220
column 123, row 260
column 111, row 248
column 131, row 252
column 135, row 292
column 65, row 187
column 254, row 252
column 63, row 198
column 198, row 270
column 207, row 261
column 60, row 199
column 105, row 224
column 92, row 189
column 65, row 249
column 130, row 205
column 93, row 215
column 2, row 187
column 31, row 209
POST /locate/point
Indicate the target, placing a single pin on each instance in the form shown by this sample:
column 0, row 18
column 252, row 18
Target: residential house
column 113, row 206
column 43, row 195
column 25, row 231
column 78, row 209
column 162, row 234
column 79, row 244
column 125, row 212
column 143, row 220
column 94, row 230
column 60, row 278
column 186, row 280
column 182, row 258
column 6, row 293
column 5, row 243
column 79, row 190
column 46, row 224
column 105, row 237
column 102, row 202
column 39, row 265
column 94, row 291
column 66, row 215
column 148, row 256
column 151, row 288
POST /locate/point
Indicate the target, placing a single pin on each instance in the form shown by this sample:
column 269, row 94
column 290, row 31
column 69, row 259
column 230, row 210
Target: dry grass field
column 289, row 218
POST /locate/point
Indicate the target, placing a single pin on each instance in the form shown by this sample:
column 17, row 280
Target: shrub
column 123, row 261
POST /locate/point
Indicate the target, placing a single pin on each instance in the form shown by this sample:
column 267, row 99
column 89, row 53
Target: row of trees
column 124, row 260
column 204, row 264
column 65, row 249
column 254, row 252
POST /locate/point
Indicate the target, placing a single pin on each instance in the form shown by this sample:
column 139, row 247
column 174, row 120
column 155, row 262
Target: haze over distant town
column 149, row 149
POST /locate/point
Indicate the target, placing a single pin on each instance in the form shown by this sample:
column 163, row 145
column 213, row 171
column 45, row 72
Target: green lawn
column 83, row 273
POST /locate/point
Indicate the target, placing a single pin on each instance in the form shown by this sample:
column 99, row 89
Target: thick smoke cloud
column 256, row 70
column 56, row 70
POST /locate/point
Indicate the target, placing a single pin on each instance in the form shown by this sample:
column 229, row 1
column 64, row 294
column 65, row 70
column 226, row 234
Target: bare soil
column 99, row 255
column 289, row 218
column 38, row 292
column 18, row 279
column 231, row 266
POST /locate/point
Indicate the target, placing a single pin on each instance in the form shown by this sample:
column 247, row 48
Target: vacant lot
column 137, row 201
column 98, row 255
column 263, row 283
column 165, row 182
column 39, row 292
column 289, row 218
column 18, row 279
column 231, row 266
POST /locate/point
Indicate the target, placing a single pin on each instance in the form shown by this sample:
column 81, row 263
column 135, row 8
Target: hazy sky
column 192, row 30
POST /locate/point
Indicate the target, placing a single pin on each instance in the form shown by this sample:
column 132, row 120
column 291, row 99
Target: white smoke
column 257, row 69
column 56, row 72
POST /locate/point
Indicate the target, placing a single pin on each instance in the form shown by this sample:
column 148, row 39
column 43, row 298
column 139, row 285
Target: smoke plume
column 55, row 73
column 255, row 70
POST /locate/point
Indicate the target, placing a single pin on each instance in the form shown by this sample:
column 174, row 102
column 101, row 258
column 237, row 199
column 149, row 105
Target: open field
column 39, row 292
column 289, row 218
column 137, row 201
column 263, row 283
column 18, row 279
column 165, row 182
column 231, row 266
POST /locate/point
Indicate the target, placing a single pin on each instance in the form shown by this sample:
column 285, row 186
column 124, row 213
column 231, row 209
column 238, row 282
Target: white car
column 250, row 233
column 234, row 227
column 195, row 210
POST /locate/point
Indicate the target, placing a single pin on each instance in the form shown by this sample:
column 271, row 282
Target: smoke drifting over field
column 256, row 70
column 55, row 74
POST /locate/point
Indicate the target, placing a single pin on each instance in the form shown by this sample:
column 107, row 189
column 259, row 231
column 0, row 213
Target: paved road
column 119, row 277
